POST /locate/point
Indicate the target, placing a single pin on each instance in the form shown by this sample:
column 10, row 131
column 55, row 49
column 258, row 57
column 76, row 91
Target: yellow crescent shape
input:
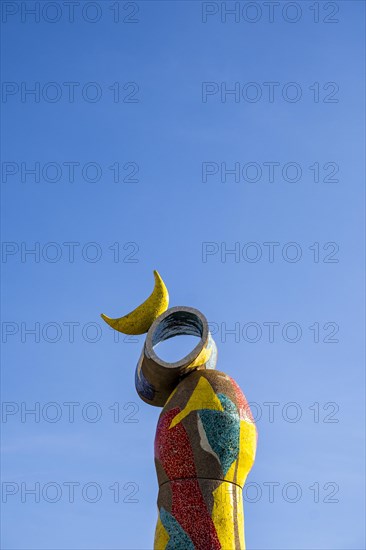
column 140, row 319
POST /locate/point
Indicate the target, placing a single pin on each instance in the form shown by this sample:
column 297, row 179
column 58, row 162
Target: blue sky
column 174, row 209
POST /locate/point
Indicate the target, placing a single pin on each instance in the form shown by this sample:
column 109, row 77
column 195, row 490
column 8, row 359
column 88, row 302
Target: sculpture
column 206, row 438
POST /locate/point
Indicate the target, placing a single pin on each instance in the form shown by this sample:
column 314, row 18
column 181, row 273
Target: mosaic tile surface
column 205, row 445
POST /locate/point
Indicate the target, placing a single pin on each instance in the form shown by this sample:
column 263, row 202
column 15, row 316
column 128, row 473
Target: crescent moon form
column 140, row 319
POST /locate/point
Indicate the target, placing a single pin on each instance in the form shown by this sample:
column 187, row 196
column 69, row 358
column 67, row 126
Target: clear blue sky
column 161, row 131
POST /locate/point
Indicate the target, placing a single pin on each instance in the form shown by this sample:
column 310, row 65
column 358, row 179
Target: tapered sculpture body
column 205, row 440
column 204, row 448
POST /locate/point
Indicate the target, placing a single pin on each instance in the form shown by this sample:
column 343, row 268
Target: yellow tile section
column 247, row 447
column 239, row 496
column 223, row 515
column 230, row 474
column 203, row 397
column 161, row 536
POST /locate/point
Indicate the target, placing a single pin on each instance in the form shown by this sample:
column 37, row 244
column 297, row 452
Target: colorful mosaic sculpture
column 205, row 440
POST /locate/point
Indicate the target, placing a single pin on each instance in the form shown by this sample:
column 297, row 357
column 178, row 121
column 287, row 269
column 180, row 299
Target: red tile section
column 173, row 450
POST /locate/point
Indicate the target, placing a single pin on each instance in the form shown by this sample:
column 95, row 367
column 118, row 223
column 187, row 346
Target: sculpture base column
column 204, row 448
column 211, row 511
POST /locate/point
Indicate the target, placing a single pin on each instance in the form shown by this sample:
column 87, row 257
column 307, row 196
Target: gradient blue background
column 169, row 213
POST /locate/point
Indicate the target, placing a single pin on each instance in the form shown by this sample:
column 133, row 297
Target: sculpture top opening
column 156, row 379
